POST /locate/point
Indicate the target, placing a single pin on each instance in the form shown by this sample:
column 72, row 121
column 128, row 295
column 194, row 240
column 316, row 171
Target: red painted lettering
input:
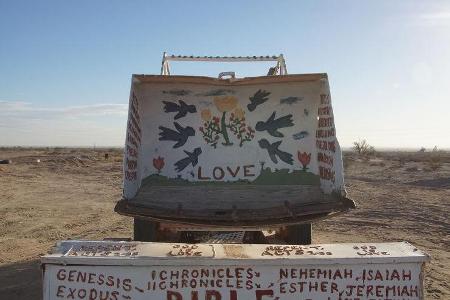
column 235, row 171
column 247, row 172
column 172, row 295
column 220, row 175
column 200, row 176
column 93, row 294
column 60, row 291
column 194, row 295
column 212, row 295
column 61, row 275
column 324, row 99
column 261, row 293
column 130, row 175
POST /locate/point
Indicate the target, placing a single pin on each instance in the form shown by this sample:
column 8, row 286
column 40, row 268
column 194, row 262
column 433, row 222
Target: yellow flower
column 205, row 114
column 239, row 113
column 225, row 103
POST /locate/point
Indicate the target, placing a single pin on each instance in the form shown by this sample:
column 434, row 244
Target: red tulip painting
column 158, row 163
column 304, row 158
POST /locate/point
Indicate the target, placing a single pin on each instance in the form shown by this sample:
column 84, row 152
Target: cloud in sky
column 439, row 18
column 27, row 109
column 436, row 16
column 22, row 123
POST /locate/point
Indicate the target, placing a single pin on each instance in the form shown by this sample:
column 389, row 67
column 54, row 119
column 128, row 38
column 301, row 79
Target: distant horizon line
column 344, row 148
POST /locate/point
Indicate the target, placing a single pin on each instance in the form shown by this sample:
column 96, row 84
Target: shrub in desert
column 363, row 148
column 435, row 161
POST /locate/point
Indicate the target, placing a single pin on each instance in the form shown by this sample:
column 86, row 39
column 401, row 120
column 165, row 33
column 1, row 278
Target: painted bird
column 258, row 98
column 273, row 151
column 192, row 158
column 300, row 135
column 180, row 136
column 181, row 108
column 272, row 125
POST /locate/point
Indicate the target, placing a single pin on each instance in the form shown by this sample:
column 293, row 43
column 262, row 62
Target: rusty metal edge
column 143, row 78
column 125, row 207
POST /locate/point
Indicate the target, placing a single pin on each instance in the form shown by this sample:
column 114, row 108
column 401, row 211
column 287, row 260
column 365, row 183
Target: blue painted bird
column 192, row 158
column 181, row 108
column 300, row 135
column 258, row 98
column 273, row 151
column 272, row 125
column 180, row 136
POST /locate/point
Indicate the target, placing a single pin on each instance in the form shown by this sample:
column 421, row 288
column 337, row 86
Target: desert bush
column 435, row 162
column 363, row 148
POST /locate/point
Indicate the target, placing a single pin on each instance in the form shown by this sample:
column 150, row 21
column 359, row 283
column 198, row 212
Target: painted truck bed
column 237, row 152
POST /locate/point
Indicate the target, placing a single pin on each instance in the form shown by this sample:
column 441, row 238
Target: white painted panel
column 136, row 270
column 247, row 281
column 181, row 132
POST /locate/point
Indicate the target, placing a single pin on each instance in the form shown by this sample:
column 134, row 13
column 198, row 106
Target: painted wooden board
column 133, row 270
column 210, row 148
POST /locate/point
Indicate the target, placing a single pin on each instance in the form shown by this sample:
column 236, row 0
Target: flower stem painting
column 304, row 158
column 225, row 104
column 239, row 128
column 211, row 129
column 158, row 163
column 219, row 127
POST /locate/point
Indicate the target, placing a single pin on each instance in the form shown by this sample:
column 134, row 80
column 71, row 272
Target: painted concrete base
column 132, row 270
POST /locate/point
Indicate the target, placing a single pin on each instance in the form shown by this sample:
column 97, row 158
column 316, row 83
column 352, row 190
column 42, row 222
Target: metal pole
column 221, row 58
column 163, row 64
column 280, row 67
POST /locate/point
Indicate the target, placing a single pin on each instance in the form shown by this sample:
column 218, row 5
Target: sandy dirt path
column 71, row 195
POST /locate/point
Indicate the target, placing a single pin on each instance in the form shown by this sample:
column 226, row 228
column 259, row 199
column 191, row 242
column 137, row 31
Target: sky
column 66, row 66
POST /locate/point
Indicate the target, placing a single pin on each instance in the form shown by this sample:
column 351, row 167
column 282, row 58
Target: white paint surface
column 308, row 115
column 115, row 270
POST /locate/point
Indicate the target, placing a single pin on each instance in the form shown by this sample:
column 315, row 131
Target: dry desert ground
column 70, row 194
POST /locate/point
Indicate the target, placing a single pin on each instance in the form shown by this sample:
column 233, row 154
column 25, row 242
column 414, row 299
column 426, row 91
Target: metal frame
column 280, row 68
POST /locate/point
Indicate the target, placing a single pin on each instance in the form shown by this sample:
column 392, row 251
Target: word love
column 218, row 173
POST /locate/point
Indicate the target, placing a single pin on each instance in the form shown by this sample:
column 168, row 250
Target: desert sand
column 71, row 193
